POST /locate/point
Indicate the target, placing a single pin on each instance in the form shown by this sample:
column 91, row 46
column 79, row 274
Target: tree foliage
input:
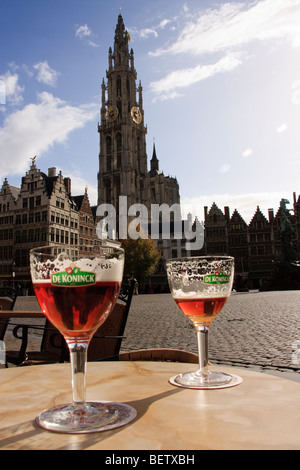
column 141, row 258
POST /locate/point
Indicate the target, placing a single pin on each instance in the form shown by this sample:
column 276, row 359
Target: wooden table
column 263, row 412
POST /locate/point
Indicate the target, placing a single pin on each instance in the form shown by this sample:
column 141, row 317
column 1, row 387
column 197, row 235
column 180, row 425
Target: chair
column 8, row 297
column 172, row 355
column 106, row 342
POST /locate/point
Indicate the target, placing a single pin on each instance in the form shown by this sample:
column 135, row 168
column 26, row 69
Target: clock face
column 136, row 115
column 112, row 113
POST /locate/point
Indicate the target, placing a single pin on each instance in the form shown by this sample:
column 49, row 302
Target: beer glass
column 77, row 293
column 200, row 287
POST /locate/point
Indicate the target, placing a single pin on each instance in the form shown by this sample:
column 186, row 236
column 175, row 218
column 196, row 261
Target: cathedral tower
column 122, row 158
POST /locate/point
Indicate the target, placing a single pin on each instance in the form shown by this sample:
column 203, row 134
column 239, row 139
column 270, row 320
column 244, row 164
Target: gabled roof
column 237, row 218
column 258, row 216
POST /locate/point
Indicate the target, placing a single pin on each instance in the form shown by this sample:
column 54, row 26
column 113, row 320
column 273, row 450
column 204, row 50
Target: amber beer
column 74, row 302
column 201, row 311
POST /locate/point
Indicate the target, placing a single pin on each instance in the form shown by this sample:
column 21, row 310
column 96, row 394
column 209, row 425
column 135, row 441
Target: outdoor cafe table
column 263, row 412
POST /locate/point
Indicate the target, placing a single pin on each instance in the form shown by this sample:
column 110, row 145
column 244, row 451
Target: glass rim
column 41, row 250
column 189, row 258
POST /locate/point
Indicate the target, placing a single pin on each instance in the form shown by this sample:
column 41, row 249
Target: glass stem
column 78, row 358
column 202, row 340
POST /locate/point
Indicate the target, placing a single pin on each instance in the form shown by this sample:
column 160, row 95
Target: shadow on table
column 27, row 435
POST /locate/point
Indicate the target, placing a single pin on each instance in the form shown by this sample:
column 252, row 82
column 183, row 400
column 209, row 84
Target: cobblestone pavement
column 255, row 329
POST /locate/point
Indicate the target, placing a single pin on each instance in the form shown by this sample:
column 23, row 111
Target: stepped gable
column 236, row 218
column 258, row 217
column 215, row 211
column 9, row 189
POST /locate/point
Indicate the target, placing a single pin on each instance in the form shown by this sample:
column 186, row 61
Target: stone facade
column 41, row 212
column 255, row 246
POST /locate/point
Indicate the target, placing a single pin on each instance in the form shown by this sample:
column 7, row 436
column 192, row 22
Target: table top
column 263, row 412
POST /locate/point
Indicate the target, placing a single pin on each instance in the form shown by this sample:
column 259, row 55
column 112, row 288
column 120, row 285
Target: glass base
column 205, row 380
column 85, row 417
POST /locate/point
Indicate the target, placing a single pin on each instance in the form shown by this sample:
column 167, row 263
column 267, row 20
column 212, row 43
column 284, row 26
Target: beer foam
column 106, row 270
column 207, row 293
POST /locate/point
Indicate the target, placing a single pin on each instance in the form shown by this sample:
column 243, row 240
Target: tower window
column 119, row 87
column 108, row 153
column 119, row 150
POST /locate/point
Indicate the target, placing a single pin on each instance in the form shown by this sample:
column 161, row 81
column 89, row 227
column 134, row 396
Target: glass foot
column 206, row 380
column 86, row 417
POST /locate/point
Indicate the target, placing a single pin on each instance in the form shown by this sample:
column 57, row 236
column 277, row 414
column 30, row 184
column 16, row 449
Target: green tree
column 141, row 258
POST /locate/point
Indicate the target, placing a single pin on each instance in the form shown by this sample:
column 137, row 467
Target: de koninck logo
column 73, row 277
column 219, row 277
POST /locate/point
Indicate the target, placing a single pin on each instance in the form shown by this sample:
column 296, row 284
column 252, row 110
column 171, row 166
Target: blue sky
column 221, row 93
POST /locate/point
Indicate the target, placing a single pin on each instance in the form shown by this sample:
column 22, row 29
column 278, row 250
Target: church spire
column 121, row 49
column 154, row 168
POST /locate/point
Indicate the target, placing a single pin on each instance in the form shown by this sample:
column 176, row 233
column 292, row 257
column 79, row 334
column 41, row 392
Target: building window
column 44, row 234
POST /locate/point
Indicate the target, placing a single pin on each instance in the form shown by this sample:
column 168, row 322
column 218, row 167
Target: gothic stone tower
column 122, row 158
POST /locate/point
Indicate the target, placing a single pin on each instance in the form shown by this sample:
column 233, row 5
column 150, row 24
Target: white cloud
column 145, row 33
column 227, row 29
column 233, row 25
column 46, row 74
column 247, row 152
column 185, row 77
column 35, row 128
column 11, row 91
column 282, row 128
column 225, row 168
column 83, row 31
column 163, row 23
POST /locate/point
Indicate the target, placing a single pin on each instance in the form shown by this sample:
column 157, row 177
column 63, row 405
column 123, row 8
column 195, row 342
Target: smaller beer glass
column 200, row 287
column 77, row 293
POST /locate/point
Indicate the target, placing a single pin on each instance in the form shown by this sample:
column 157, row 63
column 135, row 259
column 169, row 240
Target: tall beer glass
column 200, row 287
column 77, row 293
